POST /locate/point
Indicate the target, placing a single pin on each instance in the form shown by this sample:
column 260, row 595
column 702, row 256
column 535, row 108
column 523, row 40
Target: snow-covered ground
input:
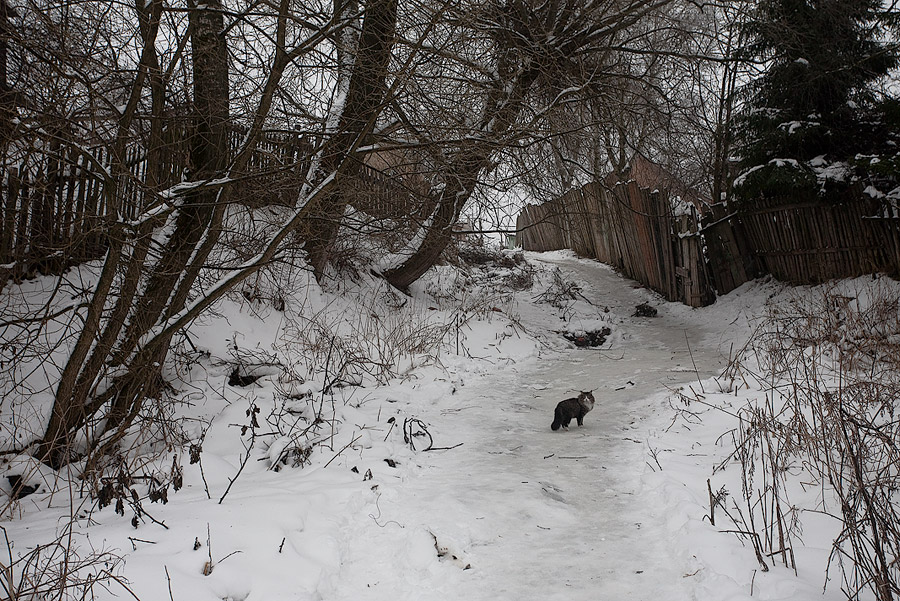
column 446, row 481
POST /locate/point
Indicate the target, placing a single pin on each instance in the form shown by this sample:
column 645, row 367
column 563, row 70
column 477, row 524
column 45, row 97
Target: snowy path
column 538, row 514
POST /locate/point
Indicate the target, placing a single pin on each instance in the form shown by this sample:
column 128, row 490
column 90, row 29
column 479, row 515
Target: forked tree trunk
column 198, row 227
column 364, row 101
column 209, row 155
column 67, row 408
column 209, row 159
column 529, row 36
column 198, row 215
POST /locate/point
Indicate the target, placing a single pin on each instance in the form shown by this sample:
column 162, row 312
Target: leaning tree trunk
column 196, row 218
column 144, row 347
column 503, row 107
column 365, row 99
column 67, row 410
column 209, row 159
column 531, row 40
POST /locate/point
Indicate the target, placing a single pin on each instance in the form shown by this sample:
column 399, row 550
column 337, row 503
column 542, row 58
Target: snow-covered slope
column 399, row 448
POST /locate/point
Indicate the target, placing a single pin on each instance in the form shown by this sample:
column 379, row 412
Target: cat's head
column 586, row 397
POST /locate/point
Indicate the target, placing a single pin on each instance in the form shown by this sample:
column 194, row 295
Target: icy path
column 538, row 514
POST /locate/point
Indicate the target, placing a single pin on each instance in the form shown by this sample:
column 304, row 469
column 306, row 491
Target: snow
column 873, row 192
column 486, row 502
column 791, row 126
column 837, row 171
column 742, row 178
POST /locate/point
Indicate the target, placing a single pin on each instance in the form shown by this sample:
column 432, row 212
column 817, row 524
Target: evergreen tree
column 814, row 122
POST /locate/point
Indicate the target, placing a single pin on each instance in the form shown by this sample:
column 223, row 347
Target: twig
column 230, row 554
column 346, row 446
column 169, row 579
column 251, row 413
column 208, row 568
column 391, row 429
column 139, row 540
column 444, row 448
column 153, row 519
column 691, row 353
column 757, row 546
column 203, row 477
column 408, row 433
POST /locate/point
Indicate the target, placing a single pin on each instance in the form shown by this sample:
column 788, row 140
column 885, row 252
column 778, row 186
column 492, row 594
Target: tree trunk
column 68, row 409
column 529, row 39
column 501, row 111
column 364, row 101
column 209, row 159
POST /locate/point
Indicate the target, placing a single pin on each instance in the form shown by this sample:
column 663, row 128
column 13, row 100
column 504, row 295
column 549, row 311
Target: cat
column 569, row 408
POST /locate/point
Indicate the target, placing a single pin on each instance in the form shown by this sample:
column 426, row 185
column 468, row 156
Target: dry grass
column 828, row 367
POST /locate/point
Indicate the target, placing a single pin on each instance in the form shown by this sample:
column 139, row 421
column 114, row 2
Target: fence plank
column 50, row 201
column 20, row 246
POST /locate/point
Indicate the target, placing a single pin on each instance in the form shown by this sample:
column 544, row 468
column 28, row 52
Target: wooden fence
column 383, row 196
column 812, row 242
column 53, row 199
column 628, row 227
column 633, row 229
column 730, row 258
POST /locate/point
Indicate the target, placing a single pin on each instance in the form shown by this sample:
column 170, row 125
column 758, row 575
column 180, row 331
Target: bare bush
column 828, row 367
column 376, row 336
column 494, row 267
column 60, row 569
column 560, row 293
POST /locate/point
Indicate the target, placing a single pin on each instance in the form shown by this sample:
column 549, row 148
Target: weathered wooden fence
column 812, row 242
column 53, row 199
column 633, row 229
column 382, row 196
column 628, row 227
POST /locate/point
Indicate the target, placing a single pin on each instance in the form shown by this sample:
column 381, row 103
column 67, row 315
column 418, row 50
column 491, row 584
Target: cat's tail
column 556, row 424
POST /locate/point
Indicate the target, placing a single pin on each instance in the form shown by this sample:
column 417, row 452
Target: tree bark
column 364, row 101
column 146, row 345
column 209, row 159
column 530, row 41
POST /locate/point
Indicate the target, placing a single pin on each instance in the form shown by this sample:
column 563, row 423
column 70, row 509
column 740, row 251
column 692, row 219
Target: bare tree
column 526, row 43
column 365, row 98
column 465, row 87
column 153, row 262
